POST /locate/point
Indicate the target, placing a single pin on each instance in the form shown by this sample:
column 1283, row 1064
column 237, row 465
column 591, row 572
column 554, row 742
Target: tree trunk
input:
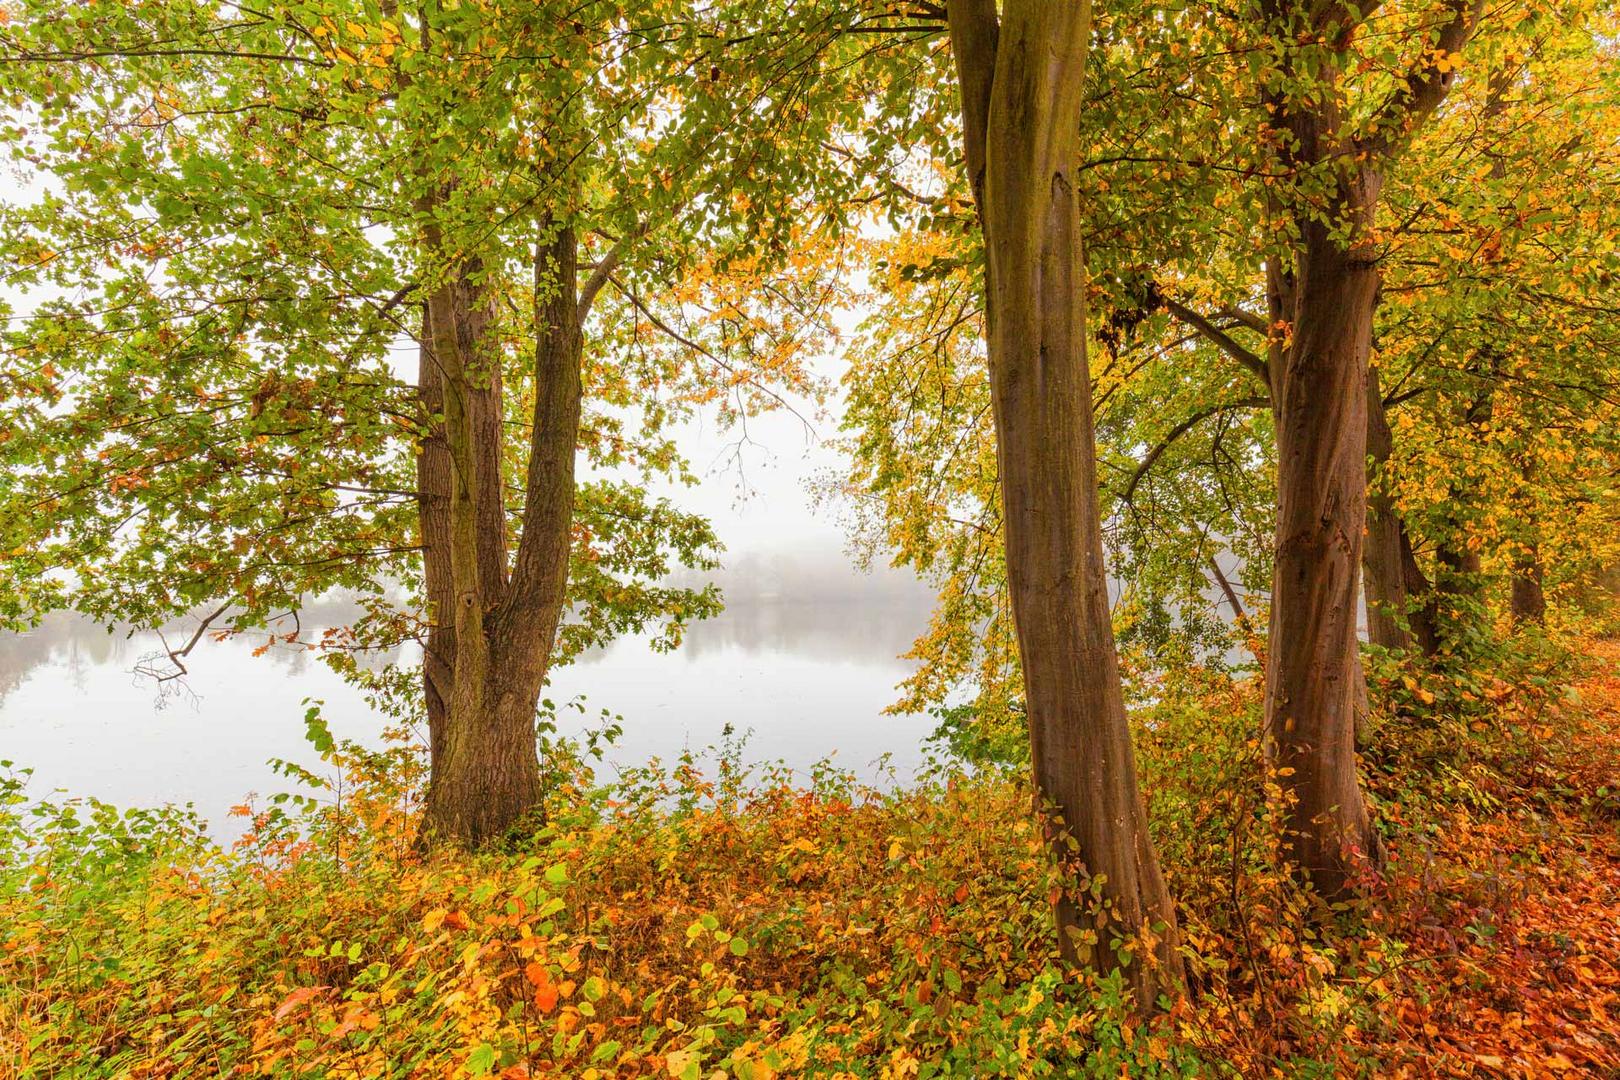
column 1324, row 291
column 1392, row 578
column 1021, row 88
column 1458, row 583
column 1529, row 600
column 492, row 632
column 1319, row 387
column 463, row 306
column 433, row 516
column 1362, row 704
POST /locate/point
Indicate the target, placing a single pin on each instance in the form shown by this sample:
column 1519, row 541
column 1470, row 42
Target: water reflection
column 774, row 604
column 74, row 644
column 816, row 609
column 805, row 658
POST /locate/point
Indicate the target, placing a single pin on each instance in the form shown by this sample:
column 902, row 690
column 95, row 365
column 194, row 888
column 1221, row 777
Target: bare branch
column 176, row 657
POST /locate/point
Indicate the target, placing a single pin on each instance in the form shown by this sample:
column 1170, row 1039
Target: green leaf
column 481, row 1062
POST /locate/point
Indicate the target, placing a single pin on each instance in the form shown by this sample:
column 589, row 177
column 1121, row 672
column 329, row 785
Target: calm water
column 805, row 658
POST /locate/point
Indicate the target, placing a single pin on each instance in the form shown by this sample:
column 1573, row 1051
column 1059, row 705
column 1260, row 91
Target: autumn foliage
column 1165, row 359
column 708, row 920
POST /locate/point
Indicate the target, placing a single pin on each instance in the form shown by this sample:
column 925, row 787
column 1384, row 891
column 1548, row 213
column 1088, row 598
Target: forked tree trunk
column 491, row 634
column 1324, row 291
column 1399, row 599
column 1319, row 387
column 1021, row 86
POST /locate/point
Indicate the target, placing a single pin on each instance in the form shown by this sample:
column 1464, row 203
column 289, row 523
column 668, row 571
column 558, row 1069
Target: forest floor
column 706, row 921
column 1523, row 933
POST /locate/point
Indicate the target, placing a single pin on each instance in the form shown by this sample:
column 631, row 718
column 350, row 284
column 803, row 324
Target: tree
column 242, row 212
column 1494, row 337
column 1234, row 189
column 1334, row 147
column 1021, row 82
column 1491, row 194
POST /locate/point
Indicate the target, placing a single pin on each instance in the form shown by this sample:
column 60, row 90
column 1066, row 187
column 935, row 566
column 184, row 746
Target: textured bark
column 433, row 515
column 461, row 305
column 1325, row 291
column 1319, row 385
column 492, row 632
column 1021, row 85
column 1397, row 591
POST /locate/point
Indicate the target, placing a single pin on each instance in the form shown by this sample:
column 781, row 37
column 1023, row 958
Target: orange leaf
column 295, row 999
column 545, row 991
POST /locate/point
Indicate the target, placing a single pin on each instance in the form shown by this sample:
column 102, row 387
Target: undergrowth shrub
column 710, row 919
column 678, row 922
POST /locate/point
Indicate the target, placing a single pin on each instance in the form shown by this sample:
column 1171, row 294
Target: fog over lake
column 805, row 658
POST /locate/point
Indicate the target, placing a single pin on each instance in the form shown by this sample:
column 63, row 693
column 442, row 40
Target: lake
column 804, row 660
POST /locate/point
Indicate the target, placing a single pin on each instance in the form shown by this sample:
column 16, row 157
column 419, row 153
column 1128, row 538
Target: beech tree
column 1494, row 344
column 239, row 214
column 1022, row 80
column 1334, row 133
column 1188, row 206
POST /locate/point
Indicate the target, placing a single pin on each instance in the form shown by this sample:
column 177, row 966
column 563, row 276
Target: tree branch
column 604, row 270
column 1426, row 86
column 1254, row 322
column 681, row 339
column 1181, row 429
column 177, row 656
column 1250, row 360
